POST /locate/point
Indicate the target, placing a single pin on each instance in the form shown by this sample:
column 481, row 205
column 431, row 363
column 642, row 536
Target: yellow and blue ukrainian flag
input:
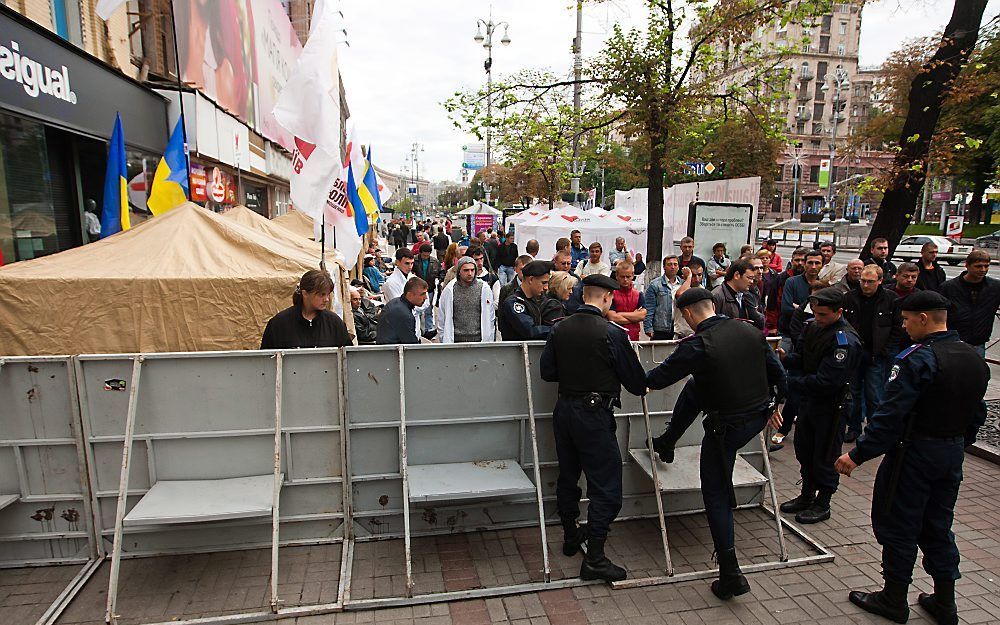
column 374, row 207
column 170, row 183
column 356, row 205
column 114, row 213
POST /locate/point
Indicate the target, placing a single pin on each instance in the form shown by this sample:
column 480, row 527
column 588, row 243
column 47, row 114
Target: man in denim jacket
column 659, row 301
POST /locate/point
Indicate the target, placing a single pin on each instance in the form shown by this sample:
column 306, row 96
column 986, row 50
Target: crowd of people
column 870, row 353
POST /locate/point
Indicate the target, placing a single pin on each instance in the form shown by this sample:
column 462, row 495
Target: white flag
column 345, row 237
column 313, row 174
column 106, row 7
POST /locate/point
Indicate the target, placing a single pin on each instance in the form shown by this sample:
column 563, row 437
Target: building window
column 854, row 111
column 66, row 20
column 840, row 49
column 824, row 44
column 814, row 173
column 818, row 110
column 843, row 28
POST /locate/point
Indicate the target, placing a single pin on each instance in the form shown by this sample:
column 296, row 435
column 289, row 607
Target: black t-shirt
column 866, row 319
column 290, row 330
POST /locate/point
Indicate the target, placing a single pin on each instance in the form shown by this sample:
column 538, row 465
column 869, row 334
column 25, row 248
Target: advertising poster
column 239, row 53
column 481, row 223
column 718, row 222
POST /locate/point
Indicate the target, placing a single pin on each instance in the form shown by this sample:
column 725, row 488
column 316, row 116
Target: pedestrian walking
column 975, row 298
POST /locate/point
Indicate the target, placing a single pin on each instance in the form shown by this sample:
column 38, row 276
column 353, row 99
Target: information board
column 719, row 222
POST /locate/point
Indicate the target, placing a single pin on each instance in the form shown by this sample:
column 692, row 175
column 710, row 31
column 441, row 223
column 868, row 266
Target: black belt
column 593, row 400
column 939, row 439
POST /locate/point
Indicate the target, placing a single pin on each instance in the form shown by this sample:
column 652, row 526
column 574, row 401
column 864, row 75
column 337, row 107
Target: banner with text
column 719, row 222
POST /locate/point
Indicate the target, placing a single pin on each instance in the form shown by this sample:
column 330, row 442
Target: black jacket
column 888, row 270
column 972, row 321
column 930, row 279
column 887, row 325
column 397, row 324
column 290, row 330
column 726, row 304
column 507, row 255
column 365, row 323
column 433, row 270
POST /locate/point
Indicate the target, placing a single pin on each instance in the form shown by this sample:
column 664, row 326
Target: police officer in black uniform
column 520, row 317
column 932, row 410
column 591, row 359
column 818, row 376
column 735, row 378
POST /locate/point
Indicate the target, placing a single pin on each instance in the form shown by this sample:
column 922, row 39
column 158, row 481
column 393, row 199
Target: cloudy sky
column 405, row 58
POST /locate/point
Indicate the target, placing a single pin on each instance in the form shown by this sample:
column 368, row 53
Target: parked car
column 989, row 240
column 949, row 250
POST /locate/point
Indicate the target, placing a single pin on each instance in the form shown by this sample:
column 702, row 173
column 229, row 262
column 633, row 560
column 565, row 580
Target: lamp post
column 839, row 82
column 796, row 153
column 487, row 43
column 415, row 151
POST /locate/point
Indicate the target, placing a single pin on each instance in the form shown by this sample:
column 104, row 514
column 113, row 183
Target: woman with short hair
column 308, row 322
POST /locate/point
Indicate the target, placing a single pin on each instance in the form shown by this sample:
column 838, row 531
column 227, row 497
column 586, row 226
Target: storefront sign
column 198, row 183
column 953, row 229
column 46, row 78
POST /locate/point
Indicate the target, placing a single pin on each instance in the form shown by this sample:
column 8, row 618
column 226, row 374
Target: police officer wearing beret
column 520, row 317
column 932, row 410
column 735, row 378
column 819, row 371
column 591, row 359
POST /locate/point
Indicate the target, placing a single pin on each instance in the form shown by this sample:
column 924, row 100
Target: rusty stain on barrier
column 371, row 376
column 430, row 516
column 383, row 500
column 32, row 369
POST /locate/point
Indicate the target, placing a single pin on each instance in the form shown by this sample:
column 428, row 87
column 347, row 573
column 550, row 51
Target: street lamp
column 839, row 83
column 487, row 43
column 795, row 154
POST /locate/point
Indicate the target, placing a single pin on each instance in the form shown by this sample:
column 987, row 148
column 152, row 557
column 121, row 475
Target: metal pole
column 535, row 462
column 404, row 472
column 489, row 95
column 574, row 184
column 782, row 547
column 656, row 481
column 180, row 96
column 110, row 615
column 276, row 492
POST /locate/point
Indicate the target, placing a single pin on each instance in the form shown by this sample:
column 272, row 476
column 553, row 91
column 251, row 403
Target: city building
column 828, row 98
column 402, row 185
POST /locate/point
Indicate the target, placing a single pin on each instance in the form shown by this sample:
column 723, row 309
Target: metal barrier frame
column 349, row 513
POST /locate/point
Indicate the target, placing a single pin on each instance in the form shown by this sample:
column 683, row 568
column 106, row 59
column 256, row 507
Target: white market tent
column 526, row 215
column 551, row 226
column 479, row 208
column 634, row 227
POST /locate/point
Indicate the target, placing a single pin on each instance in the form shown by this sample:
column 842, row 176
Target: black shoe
column 800, row 503
column 818, row 511
column 942, row 614
column 573, row 536
column 889, row 602
column 851, row 436
column 597, row 566
column 430, row 335
column 731, row 582
column 775, row 447
column 664, row 449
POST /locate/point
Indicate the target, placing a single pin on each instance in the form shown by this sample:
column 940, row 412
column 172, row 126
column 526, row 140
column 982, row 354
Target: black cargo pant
column 586, row 442
column 819, row 437
column 921, row 510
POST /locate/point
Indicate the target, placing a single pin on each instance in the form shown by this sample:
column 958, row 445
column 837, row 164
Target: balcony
column 803, row 116
column 803, row 96
column 806, row 74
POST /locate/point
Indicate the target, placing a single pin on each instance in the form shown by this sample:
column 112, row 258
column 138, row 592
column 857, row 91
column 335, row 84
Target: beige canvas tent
column 188, row 280
column 298, row 222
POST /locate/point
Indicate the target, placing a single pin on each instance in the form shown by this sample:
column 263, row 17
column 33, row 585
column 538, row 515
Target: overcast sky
column 406, row 57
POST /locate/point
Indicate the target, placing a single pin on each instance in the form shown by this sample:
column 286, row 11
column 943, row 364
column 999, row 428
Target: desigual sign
column 35, row 78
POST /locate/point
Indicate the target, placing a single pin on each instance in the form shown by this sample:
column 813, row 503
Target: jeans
column 428, row 320
column 921, row 511
column 586, row 442
column 506, row 274
column 867, row 388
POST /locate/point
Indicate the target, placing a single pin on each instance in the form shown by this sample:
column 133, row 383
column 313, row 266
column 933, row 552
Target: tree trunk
column 982, row 168
column 927, row 91
column 654, row 207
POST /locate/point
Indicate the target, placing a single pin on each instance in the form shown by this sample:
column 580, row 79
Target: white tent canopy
column 555, row 224
column 479, row 208
column 632, row 226
column 520, row 217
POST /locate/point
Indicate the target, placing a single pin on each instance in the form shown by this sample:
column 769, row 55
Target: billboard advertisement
column 239, row 53
column 474, row 156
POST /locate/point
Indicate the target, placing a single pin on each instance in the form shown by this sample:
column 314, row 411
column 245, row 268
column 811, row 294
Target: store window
column 34, row 194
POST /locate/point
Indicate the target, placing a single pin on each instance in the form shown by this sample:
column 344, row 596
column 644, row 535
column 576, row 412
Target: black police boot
column 818, row 511
column 731, row 582
column 889, row 602
column 597, row 566
column 664, row 448
column 941, row 605
column 573, row 536
column 800, row 503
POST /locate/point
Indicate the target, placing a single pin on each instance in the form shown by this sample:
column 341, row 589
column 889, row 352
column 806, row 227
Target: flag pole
column 180, row 98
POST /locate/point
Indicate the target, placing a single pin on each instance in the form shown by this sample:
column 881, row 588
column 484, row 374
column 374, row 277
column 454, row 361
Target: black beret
column 601, row 280
column 831, row 297
column 536, row 268
column 693, row 296
column 923, row 301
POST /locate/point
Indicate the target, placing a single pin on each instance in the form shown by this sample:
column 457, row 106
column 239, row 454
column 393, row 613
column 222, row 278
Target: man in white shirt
column 832, row 271
column 593, row 264
column 393, row 286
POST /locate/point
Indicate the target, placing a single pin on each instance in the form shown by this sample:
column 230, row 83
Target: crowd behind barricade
column 870, row 353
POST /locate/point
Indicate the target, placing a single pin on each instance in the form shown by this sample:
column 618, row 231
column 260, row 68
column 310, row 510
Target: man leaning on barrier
column 591, row 359
column 736, row 380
